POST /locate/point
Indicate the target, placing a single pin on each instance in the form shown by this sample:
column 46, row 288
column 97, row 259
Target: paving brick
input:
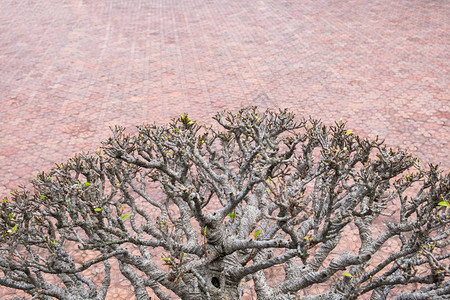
column 70, row 69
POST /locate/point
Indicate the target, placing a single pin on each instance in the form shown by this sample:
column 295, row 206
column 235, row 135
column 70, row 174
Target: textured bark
column 200, row 212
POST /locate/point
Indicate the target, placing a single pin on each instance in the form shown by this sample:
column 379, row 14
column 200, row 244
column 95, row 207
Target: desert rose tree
column 195, row 212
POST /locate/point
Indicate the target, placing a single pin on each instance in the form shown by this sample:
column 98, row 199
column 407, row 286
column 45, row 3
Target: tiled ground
column 69, row 69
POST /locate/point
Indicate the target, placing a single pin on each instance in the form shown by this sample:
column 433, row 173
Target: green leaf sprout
column 124, row 217
column 257, row 233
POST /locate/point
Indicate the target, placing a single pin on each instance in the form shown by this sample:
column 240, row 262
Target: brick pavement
column 69, row 69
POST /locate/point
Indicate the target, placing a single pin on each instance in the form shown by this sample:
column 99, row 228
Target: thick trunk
column 218, row 284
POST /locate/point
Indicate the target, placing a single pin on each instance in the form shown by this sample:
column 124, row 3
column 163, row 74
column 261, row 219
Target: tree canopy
column 201, row 212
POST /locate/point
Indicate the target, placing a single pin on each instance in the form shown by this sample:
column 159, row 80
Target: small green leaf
column 11, row 217
column 98, row 209
column 257, row 233
column 5, row 200
column 186, row 120
column 344, row 149
column 348, row 275
column 15, row 228
column 444, row 203
column 232, row 215
column 348, row 132
column 86, row 184
column 124, row 217
column 204, row 231
column 42, row 197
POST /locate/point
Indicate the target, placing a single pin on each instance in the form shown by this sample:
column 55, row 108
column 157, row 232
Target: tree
column 194, row 212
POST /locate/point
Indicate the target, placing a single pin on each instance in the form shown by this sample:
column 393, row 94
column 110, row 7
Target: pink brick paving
column 69, row 69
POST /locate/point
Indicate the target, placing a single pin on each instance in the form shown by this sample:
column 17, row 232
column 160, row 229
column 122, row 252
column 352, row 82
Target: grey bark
column 263, row 191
